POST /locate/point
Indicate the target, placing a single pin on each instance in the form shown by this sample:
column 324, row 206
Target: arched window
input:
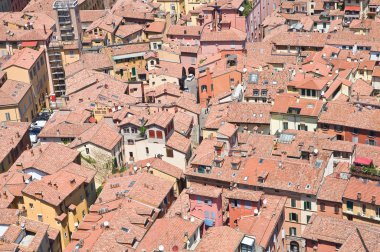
column 204, row 88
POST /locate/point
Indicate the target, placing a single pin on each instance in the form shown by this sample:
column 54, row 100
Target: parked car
column 190, row 77
column 33, row 134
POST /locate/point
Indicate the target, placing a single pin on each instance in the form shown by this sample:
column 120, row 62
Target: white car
column 190, row 77
column 38, row 124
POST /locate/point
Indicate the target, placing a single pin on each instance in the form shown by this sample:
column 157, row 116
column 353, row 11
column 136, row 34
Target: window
column 293, row 217
column 350, row 206
column 31, row 205
column 255, row 92
column 199, row 200
column 246, row 248
column 169, row 152
column 7, row 117
column 248, row 205
column 39, row 217
column 131, row 142
column 83, row 213
column 208, row 202
column 338, row 128
column 293, row 231
column 371, row 142
column 213, row 215
column 30, row 75
column 308, row 218
column 355, row 131
column 159, row 134
column 355, row 139
column 204, row 88
column 336, row 209
column 323, row 207
column 38, row 66
column 306, row 205
column 152, row 134
column 201, row 169
column 377, row 212
column 87, row 151
column 264, row 92
column 212, row 87
column 42, row 61
column 65, row 235
column 371, row 133
column 285, row 125
column 235, row 203
column 364, row 208
column 293, row 202
column 146, row 150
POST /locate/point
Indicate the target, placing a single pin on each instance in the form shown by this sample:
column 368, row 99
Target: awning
column 352, row 8
column 29, row 43
column 363, row 161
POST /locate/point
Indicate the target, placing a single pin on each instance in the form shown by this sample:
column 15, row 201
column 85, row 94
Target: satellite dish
column 256, row 212
column 161, row 248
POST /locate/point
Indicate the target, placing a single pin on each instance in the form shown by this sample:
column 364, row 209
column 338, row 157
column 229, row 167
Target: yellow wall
column 15, row 110
column 358, row 210
column 70, row 56
column 50, row 212
column 41, row 77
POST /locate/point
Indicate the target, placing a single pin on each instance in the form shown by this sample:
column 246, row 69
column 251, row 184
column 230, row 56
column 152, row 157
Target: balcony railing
column 366, row 172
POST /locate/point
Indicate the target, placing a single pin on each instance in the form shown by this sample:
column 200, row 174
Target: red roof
column 363, row 161
column 29, row 43
column 352, row 8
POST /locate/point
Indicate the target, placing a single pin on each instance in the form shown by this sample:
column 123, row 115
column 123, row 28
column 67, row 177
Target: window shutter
column 304, row 205
column 296, row 215
column 206, row 215
column 290, row 216
column 238, row 203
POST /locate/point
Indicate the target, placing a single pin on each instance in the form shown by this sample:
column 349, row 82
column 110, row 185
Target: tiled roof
column 204, row 190
column 161, row 119
column 223, row 35
column 179, row 143
column 346, row 114
column 242, row 194
column 169, row 232
column 263, row 226
column 307, row 107
column 332, row 189
column 24, row 58
column 155, row 27
column 143, row 187
column 162, row 166
column 126, row 30
column 101, row 134
column 11, row 133
column 48, row 158
column 367, row 188
column 227, row 129
column 335, row 230
column 55, row 188
column 221, row 238
column 12, row 92
column 180, row 30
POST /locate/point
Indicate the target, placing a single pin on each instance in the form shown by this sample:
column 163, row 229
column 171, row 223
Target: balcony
column 66, row 28
column 365, row 172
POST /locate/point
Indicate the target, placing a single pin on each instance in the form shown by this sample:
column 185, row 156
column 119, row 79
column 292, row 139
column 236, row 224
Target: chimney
column 31, row 152
column 359, row 196
column 373, row 200
column 57, row 132
column 18, row 134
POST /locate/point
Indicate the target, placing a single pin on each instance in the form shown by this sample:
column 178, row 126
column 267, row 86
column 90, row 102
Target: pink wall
column 256, row 17
column 236, row 20
column 200, row 209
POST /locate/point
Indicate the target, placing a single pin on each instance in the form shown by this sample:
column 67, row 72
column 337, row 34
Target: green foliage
column 247, row 8
column 99, row 190
column 142, row 130
column 368, row 170
column 88, row 159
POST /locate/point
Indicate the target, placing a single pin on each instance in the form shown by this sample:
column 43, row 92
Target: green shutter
column 304, row 205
